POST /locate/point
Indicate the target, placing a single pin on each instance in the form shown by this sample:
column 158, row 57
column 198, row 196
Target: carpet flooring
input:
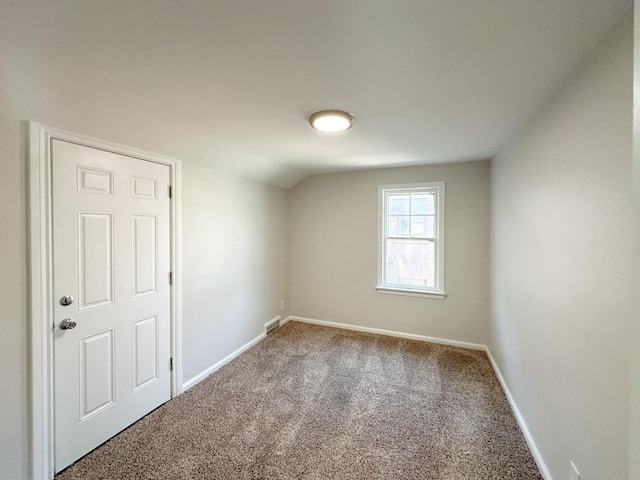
column 313, row 402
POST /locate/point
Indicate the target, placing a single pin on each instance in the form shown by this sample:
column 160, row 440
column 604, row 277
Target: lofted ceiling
column 229, row 84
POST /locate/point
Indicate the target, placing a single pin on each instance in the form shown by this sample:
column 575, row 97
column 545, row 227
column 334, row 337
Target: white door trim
column 41, row 280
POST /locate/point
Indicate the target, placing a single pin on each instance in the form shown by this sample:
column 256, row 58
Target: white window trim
column 438, row 292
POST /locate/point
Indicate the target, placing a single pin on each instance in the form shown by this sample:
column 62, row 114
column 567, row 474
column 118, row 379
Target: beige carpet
column 312, row 402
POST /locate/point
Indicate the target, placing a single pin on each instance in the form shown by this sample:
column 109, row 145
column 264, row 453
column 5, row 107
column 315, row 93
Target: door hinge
column 171, row 363
column 170, row 191
column 170, row 278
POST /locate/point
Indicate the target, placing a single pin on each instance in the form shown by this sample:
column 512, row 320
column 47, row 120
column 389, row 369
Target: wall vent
column 272, row 326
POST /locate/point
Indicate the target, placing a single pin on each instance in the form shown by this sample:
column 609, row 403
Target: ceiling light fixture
column 331, row 121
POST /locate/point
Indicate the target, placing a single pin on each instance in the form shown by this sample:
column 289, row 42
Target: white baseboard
column 216, row 366
column 391, row 333
column 542, row 466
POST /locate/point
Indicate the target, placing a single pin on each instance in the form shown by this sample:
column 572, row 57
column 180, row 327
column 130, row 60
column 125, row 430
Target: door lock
column 66, row 300
column 68, row 324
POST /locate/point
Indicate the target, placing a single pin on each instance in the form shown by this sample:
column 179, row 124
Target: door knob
column 67, row 324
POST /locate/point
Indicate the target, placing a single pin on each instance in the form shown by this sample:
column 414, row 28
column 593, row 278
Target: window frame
column 438, row 188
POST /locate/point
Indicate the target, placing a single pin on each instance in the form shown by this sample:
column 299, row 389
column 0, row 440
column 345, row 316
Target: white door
column 111, row 254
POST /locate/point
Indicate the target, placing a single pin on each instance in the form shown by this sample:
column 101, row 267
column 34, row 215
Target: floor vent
column 272, row 326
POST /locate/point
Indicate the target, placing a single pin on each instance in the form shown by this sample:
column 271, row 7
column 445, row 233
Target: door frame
column 41, row 282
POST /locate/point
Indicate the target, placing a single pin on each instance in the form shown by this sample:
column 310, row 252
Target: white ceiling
column 230, row 83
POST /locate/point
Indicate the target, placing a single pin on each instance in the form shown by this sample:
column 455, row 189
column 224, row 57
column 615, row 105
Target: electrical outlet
column 282, row 305
column 574, row 473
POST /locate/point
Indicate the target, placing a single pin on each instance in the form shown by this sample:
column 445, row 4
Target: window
column 411, row 244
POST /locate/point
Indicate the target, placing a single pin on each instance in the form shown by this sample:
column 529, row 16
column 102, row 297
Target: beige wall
column 634, row 424
column 13, row 302
column 334, row 221
column 561, row 272
column 235, row 262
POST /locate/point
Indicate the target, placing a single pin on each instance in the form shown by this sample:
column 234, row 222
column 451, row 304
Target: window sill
column 411, row 293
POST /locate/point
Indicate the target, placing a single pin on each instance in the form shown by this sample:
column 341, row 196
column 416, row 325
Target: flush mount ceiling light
column 331, row 121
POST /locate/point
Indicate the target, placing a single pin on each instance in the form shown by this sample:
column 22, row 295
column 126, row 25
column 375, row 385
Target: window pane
column 423, row 204
column 398, row 204
column 422, row 226
column 399, row 226
column 410, row 262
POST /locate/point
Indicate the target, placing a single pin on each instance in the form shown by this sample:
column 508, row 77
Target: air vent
column 272, row 326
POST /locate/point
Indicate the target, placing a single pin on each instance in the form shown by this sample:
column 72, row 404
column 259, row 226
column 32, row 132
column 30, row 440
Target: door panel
column 143, row 187
column 145, row 351
column 96, row 373
column 95, row 259
column 111, row 253
column 94, row 180
column 144, row 261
